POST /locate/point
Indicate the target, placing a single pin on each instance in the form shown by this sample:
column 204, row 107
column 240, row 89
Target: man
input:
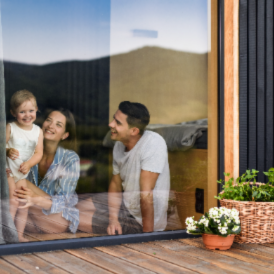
column 139, row 188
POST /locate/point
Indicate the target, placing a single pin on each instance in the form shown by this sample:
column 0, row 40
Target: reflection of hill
column 81, row 86
column 172, row 84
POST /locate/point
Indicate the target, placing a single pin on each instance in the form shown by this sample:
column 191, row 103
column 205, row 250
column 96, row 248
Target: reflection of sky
column 180, row 24
column 44, row 31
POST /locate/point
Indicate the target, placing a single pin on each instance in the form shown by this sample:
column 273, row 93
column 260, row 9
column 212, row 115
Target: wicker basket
column 257, row 221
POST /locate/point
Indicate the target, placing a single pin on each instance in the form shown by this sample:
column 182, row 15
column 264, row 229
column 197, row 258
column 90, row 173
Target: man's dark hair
column 137, row 115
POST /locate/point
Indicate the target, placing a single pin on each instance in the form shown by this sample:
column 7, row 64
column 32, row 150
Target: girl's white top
column 25, row 141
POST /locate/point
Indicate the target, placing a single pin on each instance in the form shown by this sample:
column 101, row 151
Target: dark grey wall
column 256, row 85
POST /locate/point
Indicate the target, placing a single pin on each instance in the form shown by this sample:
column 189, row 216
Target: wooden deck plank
column 70, row 263
column 113, row 264
column 45, row 217
column 176, row 258
column 258, row 263
column 173, row 222
column 28, row 236
column 37, row 236
column 219, row 260
column 7, row 268
column 69, row 235
column 268, row 245
column 256, row 249
column 57, row 236
column 246, row 256
column 32, row 264
column 47, row 236
column 143, row 260
column 37, row 226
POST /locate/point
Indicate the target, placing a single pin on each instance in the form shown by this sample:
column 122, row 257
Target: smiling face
column 120, row 130
column 25, row 114
column 54, row 127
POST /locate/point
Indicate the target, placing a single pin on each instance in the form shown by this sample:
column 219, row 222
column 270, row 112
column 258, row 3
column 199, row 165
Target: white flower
column 228, row 216
column 235, row 228
column 190, row 220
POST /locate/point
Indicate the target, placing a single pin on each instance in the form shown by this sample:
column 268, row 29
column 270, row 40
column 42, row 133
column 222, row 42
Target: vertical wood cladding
column 221, row 92
column 256, row 85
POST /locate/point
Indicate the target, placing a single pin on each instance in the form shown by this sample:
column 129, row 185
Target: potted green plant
column 270, row 175
column 246, row 188
column 218, row 227
column 255, row 203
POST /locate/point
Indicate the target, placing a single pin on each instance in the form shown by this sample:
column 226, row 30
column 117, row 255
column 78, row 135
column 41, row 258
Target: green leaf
column 222, row 219
column 195, row 233
column 264, row 192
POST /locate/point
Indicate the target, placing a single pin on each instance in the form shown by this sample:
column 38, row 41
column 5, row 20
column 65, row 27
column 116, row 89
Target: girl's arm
column 36, row 158
column 10, row 152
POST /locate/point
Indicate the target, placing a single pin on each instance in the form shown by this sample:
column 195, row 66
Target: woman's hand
column 12, row 153
column 25, row 195
column 25, row 168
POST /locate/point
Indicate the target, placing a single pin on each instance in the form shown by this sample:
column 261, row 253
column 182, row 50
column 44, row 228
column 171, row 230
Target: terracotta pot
column 218, row 242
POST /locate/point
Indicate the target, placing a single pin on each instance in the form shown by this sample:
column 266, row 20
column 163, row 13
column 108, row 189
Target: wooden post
column 231, row 90
column 212, row 167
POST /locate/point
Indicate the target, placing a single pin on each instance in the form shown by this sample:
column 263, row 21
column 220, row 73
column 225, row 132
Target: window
column 88, row 57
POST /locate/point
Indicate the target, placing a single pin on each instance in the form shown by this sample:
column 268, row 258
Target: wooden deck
column 177, row 256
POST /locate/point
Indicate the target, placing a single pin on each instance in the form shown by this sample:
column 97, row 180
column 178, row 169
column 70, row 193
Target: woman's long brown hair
column 71, row 141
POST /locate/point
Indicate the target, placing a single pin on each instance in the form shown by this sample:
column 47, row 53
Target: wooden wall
column 231, row 87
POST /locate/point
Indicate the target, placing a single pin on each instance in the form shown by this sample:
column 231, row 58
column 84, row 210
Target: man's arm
column 114, row 204
column 147, row 183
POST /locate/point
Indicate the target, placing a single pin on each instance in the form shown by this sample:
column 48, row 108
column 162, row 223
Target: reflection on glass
column 81, row 59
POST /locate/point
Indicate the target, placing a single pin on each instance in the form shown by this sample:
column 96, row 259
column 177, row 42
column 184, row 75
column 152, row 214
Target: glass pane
column 95, row 171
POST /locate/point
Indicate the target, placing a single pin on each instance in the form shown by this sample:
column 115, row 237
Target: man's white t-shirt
column 150, row 154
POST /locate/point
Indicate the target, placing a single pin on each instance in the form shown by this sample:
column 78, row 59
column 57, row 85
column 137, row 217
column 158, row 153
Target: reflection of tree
column 80, row 86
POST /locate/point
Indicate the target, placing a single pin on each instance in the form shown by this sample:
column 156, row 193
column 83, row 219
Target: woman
column 50, row 191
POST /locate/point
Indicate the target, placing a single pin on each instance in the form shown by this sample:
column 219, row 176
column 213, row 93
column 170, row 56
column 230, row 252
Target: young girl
column 24, row 148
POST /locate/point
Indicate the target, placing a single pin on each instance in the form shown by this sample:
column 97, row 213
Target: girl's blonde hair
column 19, row 97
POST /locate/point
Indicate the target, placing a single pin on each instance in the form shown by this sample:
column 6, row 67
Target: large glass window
column 101, row 169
